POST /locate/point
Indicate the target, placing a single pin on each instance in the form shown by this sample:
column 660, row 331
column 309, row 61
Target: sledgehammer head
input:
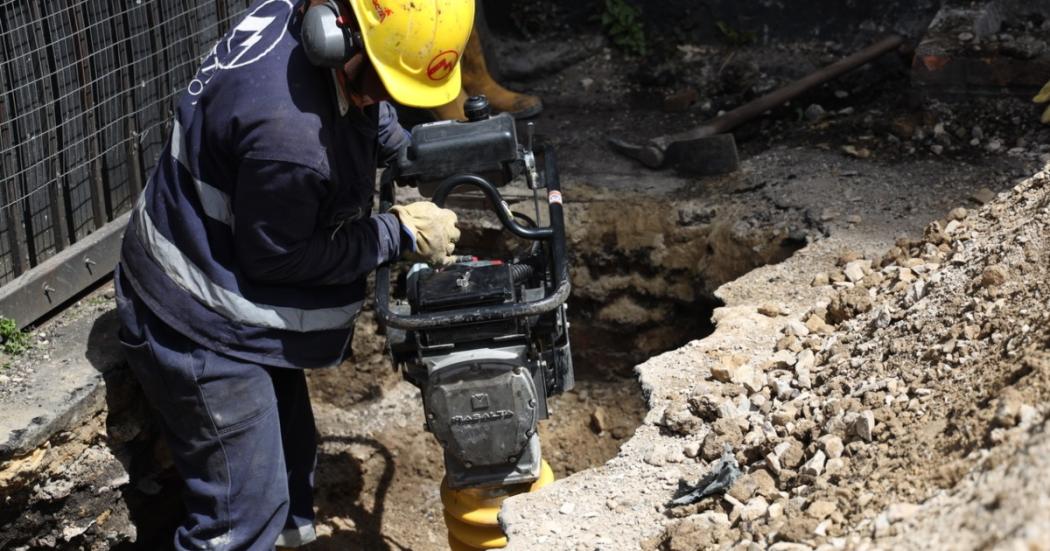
column 709, row 156
column 702, row 156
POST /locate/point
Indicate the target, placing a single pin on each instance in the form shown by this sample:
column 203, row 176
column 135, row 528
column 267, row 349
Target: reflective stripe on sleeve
column 216, row 203
column 297, row 537
column 228, row 303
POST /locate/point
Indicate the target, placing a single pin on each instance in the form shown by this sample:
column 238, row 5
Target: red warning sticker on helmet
column 381, row 11
column 442, row 65
column 554, row 197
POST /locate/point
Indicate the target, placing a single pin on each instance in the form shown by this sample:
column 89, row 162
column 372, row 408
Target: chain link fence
column 87, row 90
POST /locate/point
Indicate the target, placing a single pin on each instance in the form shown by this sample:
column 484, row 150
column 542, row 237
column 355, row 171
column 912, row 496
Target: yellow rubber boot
column 1042, row 97
column 452, row 111
column 478, row 81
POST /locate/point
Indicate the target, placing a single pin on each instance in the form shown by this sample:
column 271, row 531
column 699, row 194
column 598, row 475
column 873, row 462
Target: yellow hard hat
column 415, row 46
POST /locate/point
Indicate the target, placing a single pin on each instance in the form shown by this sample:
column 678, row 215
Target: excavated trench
column 643, row 284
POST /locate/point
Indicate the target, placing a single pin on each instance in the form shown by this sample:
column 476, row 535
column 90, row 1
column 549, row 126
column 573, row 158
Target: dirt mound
column 918, row 392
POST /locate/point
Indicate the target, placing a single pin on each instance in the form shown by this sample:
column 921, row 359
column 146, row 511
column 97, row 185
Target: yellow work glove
column 1043, row 97
column 431, row 230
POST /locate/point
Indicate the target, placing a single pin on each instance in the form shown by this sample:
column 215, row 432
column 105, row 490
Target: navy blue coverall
column 245, row 261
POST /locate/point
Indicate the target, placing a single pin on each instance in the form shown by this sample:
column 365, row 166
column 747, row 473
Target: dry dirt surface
column 875, row 395
column 900, row 401
column 379, row 470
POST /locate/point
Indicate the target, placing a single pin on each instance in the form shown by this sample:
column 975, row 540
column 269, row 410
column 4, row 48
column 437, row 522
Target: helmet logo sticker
column 442, row 65
column 381, row 11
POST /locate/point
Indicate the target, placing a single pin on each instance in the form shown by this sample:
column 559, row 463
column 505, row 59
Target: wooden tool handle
column 752, row 109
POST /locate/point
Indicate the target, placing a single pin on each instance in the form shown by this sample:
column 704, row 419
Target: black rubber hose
column 528, row 219
column 502, row 210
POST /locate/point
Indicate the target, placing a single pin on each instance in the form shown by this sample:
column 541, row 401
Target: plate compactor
column 485, row 339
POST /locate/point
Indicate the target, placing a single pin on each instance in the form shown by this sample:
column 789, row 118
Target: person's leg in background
column 477, row 80
column 299, row 436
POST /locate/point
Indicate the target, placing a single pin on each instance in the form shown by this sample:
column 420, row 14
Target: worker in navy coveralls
column 246, row 256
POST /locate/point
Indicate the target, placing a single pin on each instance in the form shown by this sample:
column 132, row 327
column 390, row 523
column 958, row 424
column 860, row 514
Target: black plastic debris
column 718, row 481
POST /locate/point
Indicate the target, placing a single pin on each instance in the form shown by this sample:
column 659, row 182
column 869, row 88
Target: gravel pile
column 925, row 368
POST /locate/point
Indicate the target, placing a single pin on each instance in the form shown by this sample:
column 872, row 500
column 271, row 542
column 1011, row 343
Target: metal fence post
column 11, row 212
column 87, row 90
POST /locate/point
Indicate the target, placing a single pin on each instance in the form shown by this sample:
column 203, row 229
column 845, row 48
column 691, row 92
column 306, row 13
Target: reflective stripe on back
column 228, row 303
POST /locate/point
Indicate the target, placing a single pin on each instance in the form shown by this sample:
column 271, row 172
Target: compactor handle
column 554, row 235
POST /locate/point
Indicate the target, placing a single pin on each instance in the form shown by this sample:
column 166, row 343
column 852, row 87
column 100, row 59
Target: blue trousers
column 242, row 436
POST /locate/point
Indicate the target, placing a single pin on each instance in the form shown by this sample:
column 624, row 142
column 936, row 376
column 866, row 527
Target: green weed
column 623, row 23
column 12, row 341
column 735, row 37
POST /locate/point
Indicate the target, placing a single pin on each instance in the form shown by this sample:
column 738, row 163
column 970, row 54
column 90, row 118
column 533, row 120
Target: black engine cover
column 439, row 150
column 461, row 286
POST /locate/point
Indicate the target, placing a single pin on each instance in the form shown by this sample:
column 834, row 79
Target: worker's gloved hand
column 1044, row 97
column 431, row 231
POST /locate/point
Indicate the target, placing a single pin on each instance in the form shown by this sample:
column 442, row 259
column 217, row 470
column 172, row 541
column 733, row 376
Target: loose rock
column 599, row 420
column 770, row 310
column 820, row 509
column 864, row 426
column 815, row 466
column 832, row 445
column 854, row 271
column 796, row 328
column 983, row 196
column 792, row 454
column 993, row 276
column 958, row 213
column 815, row 113
column 754, row 509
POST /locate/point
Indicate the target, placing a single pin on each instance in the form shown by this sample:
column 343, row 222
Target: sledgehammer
column 709, row 150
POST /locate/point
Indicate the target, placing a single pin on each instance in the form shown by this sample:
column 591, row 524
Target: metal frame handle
column 553, row 234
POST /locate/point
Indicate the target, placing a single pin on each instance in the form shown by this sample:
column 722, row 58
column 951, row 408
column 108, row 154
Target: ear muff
column 327, row 40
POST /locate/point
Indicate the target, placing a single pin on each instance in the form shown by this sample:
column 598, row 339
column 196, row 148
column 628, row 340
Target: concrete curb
column 66, row 386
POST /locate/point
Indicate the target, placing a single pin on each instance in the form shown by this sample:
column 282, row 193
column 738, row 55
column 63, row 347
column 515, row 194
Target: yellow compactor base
column 472, row 515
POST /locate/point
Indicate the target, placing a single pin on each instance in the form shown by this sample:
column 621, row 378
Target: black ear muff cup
column 326, row 42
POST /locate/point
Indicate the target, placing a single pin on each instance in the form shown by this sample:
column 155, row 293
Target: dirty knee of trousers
column 241, row 436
